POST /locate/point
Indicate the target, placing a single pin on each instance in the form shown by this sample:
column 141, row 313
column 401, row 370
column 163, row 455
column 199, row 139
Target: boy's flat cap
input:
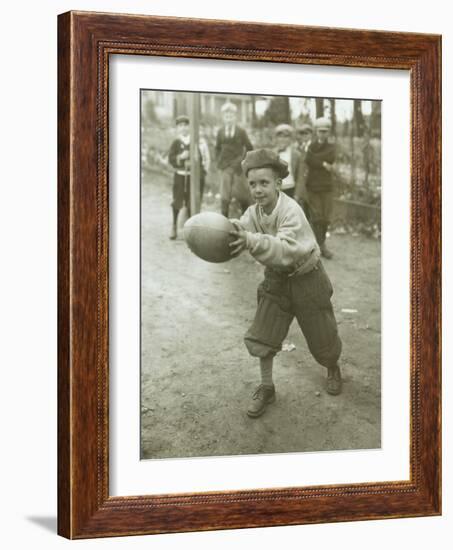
column 228, row 106
column 182, row 119
column 265, row 158
column 323, row 122
column 304, row 128
column 284, row 129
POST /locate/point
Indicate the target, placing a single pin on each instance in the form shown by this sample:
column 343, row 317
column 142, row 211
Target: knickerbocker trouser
column 181, row 191
column 306, row 297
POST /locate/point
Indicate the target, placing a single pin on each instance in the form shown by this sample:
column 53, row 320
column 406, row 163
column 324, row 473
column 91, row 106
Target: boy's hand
column 240, row 243
column 184, row 155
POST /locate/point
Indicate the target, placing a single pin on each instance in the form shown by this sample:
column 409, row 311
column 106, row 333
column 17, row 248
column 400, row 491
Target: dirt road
column 197, row 376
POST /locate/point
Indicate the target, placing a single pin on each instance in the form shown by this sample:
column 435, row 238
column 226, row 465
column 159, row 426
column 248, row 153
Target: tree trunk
column 333, row 117
column 375, row 121
column 181, row 104
column 319, row 107
column 359, row 122
column 254, row 117
column 287, row 110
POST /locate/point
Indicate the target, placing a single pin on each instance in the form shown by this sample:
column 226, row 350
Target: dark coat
column 230, row 151
column 176, row 148
column 318, row 178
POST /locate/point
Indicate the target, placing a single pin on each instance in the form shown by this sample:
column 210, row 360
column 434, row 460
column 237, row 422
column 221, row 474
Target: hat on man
column 228, row 106
column 304, row 129
column 324, row 123
column 182, row 119
column 284, row 130
column 265, row 158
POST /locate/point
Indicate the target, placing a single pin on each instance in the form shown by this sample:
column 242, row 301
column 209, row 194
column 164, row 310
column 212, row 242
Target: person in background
column 232, row 143
column 320, row 159
column 179, row 159
column 304, row 134
column 287, row 152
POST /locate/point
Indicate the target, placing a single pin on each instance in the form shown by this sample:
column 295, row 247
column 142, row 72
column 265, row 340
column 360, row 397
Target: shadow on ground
column 49, row 523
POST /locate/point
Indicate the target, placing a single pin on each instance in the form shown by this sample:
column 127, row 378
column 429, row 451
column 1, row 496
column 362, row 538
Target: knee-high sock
column 175, row 216
column 266, row 364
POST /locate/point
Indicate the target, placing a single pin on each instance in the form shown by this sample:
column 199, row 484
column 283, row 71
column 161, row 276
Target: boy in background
column 277, row 234
column 320, row 159
column 304, row 134
column 288, row 152
column 232, row 144
column 179, row 159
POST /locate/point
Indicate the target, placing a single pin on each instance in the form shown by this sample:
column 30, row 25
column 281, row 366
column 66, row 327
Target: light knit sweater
column 282, row 240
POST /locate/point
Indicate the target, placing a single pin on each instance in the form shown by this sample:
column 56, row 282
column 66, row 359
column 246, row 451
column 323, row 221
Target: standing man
column 320, row 158
column 231, row 146
column 288, row 152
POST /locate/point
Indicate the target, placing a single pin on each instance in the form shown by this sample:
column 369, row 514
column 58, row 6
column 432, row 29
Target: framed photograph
column 249, row 275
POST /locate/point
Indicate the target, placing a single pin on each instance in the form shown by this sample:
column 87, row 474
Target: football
column 208, row 236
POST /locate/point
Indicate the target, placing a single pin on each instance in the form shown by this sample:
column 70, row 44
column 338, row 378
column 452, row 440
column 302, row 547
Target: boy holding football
column 277, row 234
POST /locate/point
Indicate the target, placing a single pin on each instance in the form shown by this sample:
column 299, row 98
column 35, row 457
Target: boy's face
column 229, row 118
column 283, row 141
column 322, row 134
column 264, row 185
column 183, row 129
column 303, row 137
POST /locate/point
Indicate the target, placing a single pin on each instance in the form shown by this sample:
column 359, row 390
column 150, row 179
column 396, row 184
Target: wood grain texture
column 64, row 426
column 85, row 42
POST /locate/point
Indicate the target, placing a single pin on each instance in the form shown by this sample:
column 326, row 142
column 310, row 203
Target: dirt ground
column 197, row 376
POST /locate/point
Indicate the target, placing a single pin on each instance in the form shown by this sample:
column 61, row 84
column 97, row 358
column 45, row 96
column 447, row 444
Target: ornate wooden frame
column 85, row 41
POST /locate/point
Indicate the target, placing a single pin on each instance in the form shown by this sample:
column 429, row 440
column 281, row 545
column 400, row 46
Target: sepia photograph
column 260, row 260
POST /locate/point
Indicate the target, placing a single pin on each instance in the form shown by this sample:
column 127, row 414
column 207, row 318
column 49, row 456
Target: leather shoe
column 263, row 396
column 334, row 382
